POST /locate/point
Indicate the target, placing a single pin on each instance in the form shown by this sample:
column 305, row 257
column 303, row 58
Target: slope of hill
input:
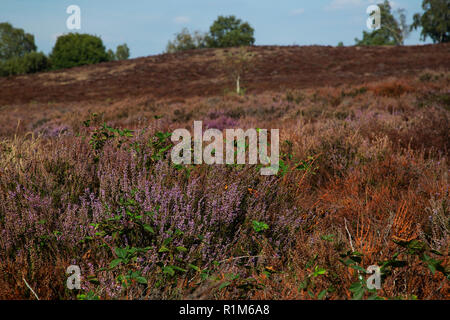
column 200, row 73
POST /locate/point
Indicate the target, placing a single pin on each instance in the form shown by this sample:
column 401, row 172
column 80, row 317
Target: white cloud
column 297, row 12
column 181, row 20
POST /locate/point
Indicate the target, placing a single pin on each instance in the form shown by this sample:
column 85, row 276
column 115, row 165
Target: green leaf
column 318, row 271
column 115, row 263
column 179, row 269
column 328, row 237
column 181, row 249
column 168, row 270
column 163, row 249
column 347, row 262
column 358, row 295
column 224, row 284
column 355, row 287
column 141, row 280
column 359, row 268
column 121, row 253
column 436, row 252
column 432, row 268
column 194, row 267
column 167, row 241
column 322, row 294
column 149, row 228
column 259, row 226
column 416, row 247
column 93, row 279
column 303, row 285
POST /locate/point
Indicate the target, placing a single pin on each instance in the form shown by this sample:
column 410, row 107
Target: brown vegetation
column 366, row 170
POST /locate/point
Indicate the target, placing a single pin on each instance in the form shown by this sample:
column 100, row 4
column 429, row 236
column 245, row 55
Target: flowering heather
column 364, row 169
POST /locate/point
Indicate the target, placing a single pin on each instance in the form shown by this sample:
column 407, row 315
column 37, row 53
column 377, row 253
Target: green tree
column 393, row 31
column 76, row 49
column 14, row 42
column 111, row 55
column 435, row 21
column 122, row 52
column 29, row 63
column 230, row 32
column 184, row 40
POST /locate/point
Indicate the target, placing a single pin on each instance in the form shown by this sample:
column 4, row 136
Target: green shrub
column 184, row 40
column 228, row 32
column 30, row 63
column 14, row 42
column 74, row 49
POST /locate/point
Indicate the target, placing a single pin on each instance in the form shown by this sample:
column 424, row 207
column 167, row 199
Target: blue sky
column 147, row 25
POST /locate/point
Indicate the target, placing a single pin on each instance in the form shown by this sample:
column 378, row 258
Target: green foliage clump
column 184, row 40
column 14, row 42
column 74, row 49
column 393, row 29
column 225, row 32
column 122, row 53
column 435, row 21
column 230, row 32
column 30, row 63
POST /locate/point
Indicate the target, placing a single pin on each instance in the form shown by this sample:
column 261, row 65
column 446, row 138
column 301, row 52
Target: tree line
column 19, row 55
column 434, row 23
column 18, row 51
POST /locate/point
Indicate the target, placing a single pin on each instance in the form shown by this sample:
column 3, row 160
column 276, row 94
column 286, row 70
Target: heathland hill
column 201, row 73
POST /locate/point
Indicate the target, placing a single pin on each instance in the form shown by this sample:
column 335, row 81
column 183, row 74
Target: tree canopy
column 393, row 29
column 184, row 40
column 122, row 53
column 230, row 32
column 76, row 49
column 14, row 42
column 435, row 21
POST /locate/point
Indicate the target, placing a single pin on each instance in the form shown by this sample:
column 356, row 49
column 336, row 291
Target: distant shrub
column 74, row 49
column 184, row 40
column 225, row 32
column 122, row 53
column 30, row 63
